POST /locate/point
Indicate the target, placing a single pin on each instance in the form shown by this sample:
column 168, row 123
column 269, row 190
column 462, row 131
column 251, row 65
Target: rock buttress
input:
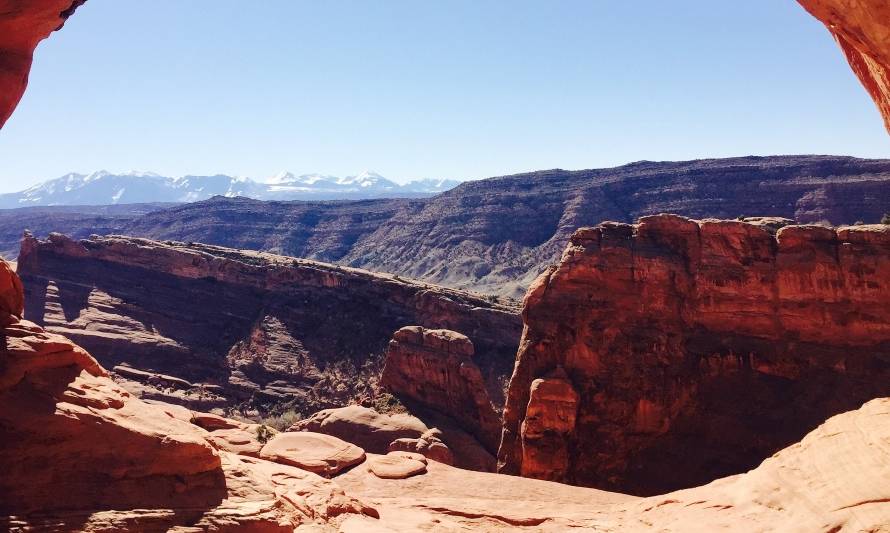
column 696, row 348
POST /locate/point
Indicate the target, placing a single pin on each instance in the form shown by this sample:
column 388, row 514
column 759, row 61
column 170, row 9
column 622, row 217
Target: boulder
column 396, row 466
column 363, row 426
column 315, row 452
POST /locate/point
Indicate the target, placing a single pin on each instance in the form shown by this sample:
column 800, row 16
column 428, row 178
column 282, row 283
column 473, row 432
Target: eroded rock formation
column 862, row 29
column 81, row 453
column 210, row 327
column 695, row 349
column 435, row 369
column 23, row 24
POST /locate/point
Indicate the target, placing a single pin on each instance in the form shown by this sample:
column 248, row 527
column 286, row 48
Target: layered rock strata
column 212, row 327
column 82, row 454
column 435, row 369
column 671, row 352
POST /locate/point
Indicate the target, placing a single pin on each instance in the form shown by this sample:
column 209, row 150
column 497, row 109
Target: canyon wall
column 668, row 353
column 862, row 29
column 208, row 327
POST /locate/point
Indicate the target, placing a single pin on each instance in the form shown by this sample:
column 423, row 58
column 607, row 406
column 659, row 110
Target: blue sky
column 451, row 89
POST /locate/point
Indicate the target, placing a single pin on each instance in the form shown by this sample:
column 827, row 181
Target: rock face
column 23, row 24
column 212, row 327
column 862, row 29
column 693, row 349
column 81, row 453
column 435, row 369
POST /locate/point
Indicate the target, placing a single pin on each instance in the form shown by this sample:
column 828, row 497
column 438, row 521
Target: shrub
column 386, row 403
column 264, row 433
column 283, row 421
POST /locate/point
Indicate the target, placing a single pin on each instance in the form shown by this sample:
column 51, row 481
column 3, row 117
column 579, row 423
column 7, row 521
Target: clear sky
column 451, row 89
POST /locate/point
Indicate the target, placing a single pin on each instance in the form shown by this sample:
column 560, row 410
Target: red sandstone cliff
column 862, row 29
column 670, row 352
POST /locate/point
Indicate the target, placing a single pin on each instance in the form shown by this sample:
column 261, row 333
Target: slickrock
column 81, row 453
column 211, row 327
column 836, row 479
column 435, row 369
column 694, row 349
column 23, row 24
column 363, row 426
column 322, row 454
column 862, row 29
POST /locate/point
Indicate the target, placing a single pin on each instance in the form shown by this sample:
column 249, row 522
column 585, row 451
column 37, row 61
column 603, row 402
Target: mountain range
column 106, row 188
column 493, row 235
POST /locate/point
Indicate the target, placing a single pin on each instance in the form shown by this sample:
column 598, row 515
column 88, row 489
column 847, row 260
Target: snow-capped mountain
column 105, row 188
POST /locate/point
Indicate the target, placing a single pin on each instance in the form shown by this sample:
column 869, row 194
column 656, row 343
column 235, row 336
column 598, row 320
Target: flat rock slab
column 409, row 455
column 321, row 454
column 395, row 467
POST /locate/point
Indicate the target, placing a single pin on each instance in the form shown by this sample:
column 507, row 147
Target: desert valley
column 681, row 346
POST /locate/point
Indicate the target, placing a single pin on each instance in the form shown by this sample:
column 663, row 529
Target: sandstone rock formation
column 431, row 446
column 318, row 453
column 363, row 426
column 435, row 369
column 23, row 24
column 835, row 479
column 862, row 29
column 397, row 465
column 212, row 327
column 80, row 453
column 693, row 349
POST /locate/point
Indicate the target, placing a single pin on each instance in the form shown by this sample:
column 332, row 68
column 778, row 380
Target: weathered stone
column 696, row 348
column 862, row 29
column 435, row 369
column 395, row 466
column 315, row 452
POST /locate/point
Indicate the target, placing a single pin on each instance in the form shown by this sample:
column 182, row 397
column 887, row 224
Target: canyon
column 212, row 327
column 654, row 355
column 666, row 353
column 467, row 238
column 121, row 464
